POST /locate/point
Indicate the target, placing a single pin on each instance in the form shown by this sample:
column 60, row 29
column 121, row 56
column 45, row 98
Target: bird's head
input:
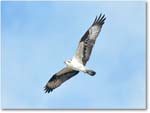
column 68, row 62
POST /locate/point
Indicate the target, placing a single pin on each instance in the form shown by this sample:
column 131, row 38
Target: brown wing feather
column 88, row 40
column 59, row 78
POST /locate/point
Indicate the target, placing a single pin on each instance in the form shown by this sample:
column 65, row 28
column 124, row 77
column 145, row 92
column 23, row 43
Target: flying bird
column 79, row 60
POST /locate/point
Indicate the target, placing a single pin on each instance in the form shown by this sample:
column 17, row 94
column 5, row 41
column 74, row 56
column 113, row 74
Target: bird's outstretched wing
column 88, row 40
column 60, row 77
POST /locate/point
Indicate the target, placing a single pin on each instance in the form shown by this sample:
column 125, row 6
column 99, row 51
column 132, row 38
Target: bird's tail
column 90, row 72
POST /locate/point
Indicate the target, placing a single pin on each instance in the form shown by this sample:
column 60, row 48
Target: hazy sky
column 37, row 37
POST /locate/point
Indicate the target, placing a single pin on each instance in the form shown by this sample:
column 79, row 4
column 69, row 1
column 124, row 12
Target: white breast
column 77, row 65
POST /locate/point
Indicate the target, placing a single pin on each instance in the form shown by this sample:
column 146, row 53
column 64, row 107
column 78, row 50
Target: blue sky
column 37, row 37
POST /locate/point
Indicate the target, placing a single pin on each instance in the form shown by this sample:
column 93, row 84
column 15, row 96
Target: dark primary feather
column 59, row 78
column 100, row 20
column 88, row 40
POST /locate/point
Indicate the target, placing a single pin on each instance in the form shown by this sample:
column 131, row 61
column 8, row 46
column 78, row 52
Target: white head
column 68, row 62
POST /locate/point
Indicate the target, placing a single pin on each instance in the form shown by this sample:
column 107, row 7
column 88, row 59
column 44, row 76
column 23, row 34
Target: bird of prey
column 79, row 60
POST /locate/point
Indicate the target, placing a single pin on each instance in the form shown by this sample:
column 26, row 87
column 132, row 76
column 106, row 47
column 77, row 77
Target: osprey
column 79, row 60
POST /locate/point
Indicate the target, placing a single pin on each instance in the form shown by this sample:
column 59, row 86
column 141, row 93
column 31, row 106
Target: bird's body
column 79, row 60
column 76, row 65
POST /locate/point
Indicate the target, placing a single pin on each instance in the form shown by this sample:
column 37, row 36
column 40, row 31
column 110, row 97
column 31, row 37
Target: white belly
column 75, row 64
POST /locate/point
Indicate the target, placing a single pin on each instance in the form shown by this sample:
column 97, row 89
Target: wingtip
column 47, row 89
column 100, row 19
